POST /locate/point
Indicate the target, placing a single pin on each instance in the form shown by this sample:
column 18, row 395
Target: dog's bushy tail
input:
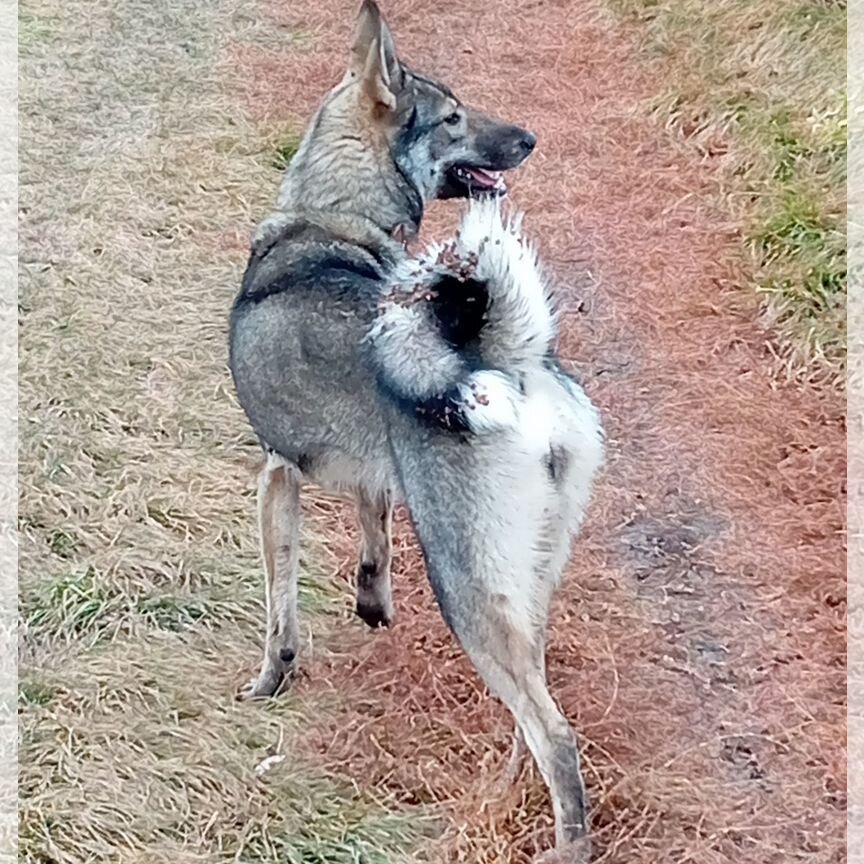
column 459, row 323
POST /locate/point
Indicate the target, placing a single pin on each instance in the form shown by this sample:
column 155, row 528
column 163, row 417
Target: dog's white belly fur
column 343, row 474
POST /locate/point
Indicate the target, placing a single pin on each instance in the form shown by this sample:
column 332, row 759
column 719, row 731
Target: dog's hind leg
column 519, row 748
column 508, row 654
column 279, row 526
column 374, row 597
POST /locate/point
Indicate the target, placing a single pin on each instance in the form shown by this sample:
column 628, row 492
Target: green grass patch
column 34, row 29
column 285, row 151
column 74, row 604
column 799, row 256
column 85, row 604
column 763, row 84
column 796, row 227
column 172, row 612
column 35, row 694
column 62, row 543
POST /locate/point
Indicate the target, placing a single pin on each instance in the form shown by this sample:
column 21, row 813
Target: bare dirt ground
column 698, row 643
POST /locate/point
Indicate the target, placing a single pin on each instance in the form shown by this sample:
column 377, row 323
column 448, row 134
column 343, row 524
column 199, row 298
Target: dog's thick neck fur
column 342, row 132
column 386, row 140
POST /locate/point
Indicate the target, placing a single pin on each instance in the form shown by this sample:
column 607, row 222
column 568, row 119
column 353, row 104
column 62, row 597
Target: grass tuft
column 34, row 694
column 285, row 151
column 74, row 605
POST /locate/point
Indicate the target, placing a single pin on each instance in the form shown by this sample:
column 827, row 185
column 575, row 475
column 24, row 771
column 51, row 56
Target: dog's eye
column 452, row 119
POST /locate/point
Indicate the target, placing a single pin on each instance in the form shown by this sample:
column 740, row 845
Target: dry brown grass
column 140, row 594
column 758, row 88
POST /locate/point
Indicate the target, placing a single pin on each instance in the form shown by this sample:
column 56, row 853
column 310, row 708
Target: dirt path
column 699, row 641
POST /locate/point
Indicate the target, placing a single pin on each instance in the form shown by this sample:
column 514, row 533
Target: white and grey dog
column 430, row 380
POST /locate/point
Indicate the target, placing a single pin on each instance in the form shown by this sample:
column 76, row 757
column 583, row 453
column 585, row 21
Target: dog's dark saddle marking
column 319, row 260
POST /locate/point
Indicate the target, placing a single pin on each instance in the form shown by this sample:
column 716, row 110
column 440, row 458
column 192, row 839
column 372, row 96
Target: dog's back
column 308, row 298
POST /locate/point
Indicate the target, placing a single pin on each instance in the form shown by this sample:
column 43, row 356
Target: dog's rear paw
column 575, row 852
column 374, row 614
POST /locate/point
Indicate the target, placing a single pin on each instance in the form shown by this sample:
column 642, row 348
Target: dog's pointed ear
column 373, row 56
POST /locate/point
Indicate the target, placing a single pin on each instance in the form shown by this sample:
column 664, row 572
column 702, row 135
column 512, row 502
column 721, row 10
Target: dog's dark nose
column 527, row 143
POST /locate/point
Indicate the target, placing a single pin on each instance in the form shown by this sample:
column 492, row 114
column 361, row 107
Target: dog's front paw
column 274, row 678
column 374, row 602
column 374, row 614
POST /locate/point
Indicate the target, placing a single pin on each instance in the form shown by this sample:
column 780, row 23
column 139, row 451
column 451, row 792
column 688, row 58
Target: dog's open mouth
column 480, row 179
column 469, row 181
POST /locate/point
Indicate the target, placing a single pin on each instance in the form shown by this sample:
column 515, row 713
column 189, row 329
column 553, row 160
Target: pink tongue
column 482, row 177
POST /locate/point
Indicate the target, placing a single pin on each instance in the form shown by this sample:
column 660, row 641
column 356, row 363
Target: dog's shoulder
column 316, row 252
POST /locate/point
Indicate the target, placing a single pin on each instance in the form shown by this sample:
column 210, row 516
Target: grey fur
column 431, row 381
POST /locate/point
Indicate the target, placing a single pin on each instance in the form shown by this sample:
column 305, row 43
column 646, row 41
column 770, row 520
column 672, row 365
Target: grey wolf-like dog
column 429, row 380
